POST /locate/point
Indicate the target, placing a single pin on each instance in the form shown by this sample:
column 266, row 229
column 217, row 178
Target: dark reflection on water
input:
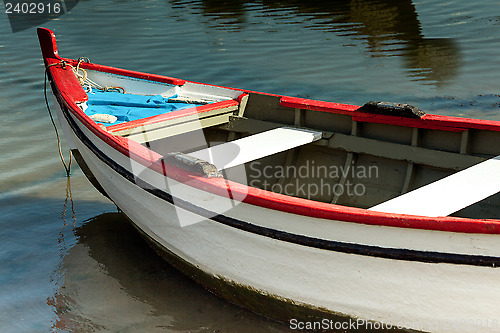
column 114, row 282
column 225, row 13
column 388, row 28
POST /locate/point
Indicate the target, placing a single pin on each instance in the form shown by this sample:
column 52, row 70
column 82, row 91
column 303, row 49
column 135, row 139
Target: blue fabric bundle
column 129, row 107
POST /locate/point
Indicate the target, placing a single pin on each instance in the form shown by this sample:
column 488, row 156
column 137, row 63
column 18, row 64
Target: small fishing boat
column 319, row 214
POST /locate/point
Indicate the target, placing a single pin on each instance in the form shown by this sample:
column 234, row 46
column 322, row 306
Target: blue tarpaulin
column 129, row 107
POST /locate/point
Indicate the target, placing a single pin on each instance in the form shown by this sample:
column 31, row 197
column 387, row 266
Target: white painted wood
column 450, row 194
column 256, row 146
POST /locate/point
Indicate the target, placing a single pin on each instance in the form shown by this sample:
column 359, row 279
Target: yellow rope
column 81, row 78
column 84, row 80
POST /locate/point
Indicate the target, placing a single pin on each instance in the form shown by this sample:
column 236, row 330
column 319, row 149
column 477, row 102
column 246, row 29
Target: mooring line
column 67, row 167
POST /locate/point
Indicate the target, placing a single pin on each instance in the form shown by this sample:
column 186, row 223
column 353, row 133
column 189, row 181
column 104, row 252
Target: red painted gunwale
column 70, row 94
column 429, row 121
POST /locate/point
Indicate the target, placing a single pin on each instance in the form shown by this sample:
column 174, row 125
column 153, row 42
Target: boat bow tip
column 48, row 44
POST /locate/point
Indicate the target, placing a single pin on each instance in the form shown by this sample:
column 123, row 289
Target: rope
column 84, row 81
column 67, row 167
column 69, row 197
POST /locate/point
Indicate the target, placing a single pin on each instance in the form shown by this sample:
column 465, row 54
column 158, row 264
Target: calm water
column 70, row 263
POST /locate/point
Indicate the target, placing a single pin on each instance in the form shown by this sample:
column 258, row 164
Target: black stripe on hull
column 323, row 244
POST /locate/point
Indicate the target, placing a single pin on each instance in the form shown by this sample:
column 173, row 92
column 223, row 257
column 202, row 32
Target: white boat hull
column 433, row 289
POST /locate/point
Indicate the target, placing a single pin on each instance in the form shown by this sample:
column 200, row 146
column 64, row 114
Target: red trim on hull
column 68, row 80
column 311, row 104
column 138, row 75
column 119, row 71
column 266, row 199
column 429, row 121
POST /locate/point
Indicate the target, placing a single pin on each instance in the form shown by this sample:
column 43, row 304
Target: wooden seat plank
column 449, row 194
column 256, row 146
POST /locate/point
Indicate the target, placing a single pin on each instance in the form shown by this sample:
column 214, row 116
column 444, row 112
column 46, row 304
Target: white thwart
column 450, row 194
column 256, row 146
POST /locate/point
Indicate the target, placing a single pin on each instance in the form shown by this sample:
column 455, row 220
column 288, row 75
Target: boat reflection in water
column 387, row 27
column 111, row 280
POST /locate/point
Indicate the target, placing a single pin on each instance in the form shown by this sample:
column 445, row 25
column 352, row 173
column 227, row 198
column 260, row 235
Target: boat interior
column 330, row 157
